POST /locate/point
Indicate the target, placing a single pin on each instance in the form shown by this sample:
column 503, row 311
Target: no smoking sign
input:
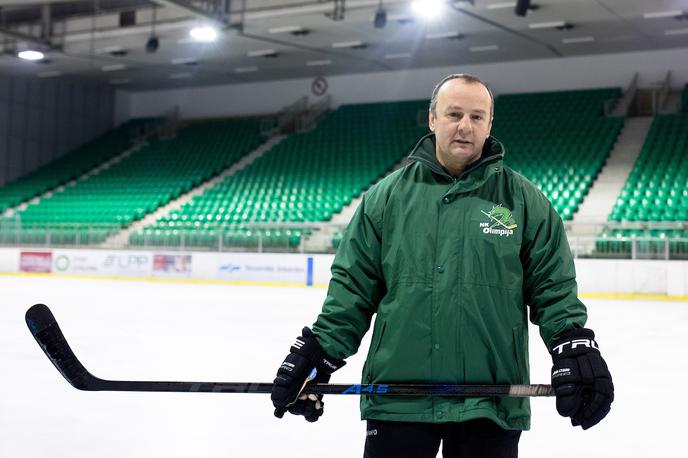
column 319, row 86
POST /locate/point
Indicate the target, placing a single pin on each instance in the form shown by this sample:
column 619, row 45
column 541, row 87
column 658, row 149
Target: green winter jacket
column 449, row 266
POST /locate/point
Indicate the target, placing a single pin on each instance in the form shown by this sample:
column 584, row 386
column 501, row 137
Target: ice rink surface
column 199, row 332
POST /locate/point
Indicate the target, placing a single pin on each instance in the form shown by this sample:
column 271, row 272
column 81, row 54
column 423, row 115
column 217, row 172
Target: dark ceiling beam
column 46, row 22
column 19, row 36
column 198, row 12
column 504, row 28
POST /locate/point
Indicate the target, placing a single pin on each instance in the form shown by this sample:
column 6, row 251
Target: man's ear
column 431, row 121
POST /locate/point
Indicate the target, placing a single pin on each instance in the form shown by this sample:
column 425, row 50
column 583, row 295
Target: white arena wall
column 596, row 277
column 509, row 77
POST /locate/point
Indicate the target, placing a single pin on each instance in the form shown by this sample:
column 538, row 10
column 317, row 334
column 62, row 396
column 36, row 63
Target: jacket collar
column 424, row 152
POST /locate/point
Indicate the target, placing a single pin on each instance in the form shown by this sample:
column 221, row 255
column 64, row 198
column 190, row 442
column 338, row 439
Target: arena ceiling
column 260, row 40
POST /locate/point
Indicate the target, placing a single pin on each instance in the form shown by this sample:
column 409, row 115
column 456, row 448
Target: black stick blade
column 47, row 333
column 39, row 317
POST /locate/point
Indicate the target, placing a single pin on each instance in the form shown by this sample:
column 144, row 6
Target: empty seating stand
column 656, row 191
column 306, row 178
column 559, row 140
column 67, row 167
column 150, row 177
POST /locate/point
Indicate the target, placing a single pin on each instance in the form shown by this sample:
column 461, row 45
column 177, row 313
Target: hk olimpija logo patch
column 501, row 222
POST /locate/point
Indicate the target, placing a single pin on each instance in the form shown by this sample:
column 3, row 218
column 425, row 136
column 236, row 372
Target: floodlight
column 30, row 55
column 427, row 9
column 205, row 34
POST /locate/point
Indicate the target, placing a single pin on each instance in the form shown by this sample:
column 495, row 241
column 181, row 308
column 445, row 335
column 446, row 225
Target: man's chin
column 465, row 151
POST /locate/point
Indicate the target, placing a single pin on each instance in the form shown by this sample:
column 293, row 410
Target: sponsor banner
column 35, row 261
column 135, row 264
column 107, row 263
column 265, row 268
column 172, row 265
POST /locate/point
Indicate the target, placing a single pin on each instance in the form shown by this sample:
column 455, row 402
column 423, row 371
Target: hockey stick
column 47, row 333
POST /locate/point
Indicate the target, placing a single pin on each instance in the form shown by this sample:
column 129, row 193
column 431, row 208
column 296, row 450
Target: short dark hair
column 468, row 78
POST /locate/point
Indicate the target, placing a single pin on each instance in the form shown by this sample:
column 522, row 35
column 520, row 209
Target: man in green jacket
column 453, row 252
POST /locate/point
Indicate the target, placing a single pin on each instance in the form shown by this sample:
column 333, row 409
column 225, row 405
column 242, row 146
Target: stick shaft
column 392, row 389
column 47, row 333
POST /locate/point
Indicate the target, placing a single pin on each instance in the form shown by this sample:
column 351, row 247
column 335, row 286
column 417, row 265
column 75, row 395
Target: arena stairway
column 121, row 238
column 559, row 140
column 653, row 202
column 603, row 193
column 299, row 183
column 331, row 235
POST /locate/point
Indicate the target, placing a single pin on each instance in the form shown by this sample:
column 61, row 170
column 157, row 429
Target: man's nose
column 465, row 125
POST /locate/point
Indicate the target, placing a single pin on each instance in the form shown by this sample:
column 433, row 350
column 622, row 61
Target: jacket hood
column 424, row 152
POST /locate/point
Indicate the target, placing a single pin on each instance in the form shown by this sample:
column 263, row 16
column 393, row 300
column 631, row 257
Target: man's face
column 461, row 124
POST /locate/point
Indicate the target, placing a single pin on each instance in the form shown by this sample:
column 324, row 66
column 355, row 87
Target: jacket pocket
column 374, row 350
column 520, row 354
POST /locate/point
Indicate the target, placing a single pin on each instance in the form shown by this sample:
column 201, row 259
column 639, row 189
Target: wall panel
column 508, row 77
column 42, row 119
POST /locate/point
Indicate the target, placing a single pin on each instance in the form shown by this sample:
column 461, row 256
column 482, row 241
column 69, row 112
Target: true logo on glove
column 589, row 343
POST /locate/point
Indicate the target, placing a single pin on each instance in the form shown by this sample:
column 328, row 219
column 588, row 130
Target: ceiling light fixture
column 113, row 67
column 204, row 34
column 574, row 40
column 500, row 5
column 661, row 14
column 441, row 35
column 318, row 63
column 109, row 50
column 380, row 18
column 522, row 7
column 349, row 44
column 483, row 48
column 400, row 55
column 184, row 61
column 262, row 53
column 287, row 29
column 246, row 69
column 547, row 25
column 49, row 74
column 676, row 32
column 30, row 54
column 153, row 43
column 427, row 9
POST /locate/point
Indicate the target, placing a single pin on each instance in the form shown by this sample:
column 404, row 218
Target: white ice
column 171, row 331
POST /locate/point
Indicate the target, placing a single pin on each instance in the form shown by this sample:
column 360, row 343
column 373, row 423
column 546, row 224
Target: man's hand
column 580, row 378
column 292, row 376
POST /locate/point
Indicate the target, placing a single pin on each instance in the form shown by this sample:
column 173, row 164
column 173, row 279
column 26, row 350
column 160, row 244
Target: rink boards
column 604, row 278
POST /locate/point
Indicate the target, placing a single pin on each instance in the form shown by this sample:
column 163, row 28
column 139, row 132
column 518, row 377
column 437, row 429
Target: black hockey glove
column 305, row 355
column 580, row 379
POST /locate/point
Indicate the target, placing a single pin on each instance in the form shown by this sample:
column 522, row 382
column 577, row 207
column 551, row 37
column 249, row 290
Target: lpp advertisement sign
column 106, row 263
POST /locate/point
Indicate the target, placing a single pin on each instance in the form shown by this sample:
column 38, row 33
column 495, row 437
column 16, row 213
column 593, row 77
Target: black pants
column 481, row 438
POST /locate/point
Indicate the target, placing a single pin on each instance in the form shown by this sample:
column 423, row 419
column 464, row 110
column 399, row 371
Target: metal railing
column 663, row 92
column 320, row 238
column 310, row 117
column 287, row 118
column 620, row 247
column 622, row 105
